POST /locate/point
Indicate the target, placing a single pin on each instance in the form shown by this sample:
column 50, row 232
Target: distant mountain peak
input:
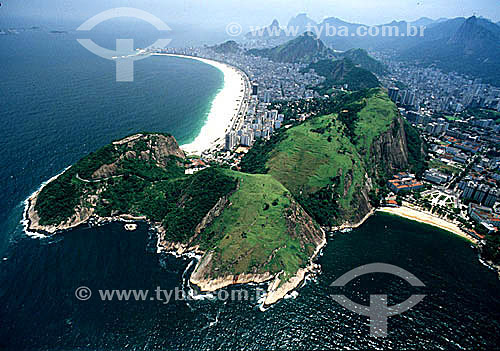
column 303, row 16
column 302, row 22
column 309, row 34
column 423, row 21
column 305, row 48
column 472, row 32
column 273, row 30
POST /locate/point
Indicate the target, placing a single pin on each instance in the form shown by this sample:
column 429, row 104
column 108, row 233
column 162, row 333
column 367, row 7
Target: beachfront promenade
column 228, row 109
column 242, row 109
column 244, row 116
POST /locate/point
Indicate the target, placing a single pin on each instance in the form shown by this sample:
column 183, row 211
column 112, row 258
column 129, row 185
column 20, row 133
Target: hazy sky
column 257, row 12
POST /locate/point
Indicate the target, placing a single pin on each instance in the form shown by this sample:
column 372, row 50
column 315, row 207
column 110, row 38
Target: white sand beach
column 225, row 107
column 425, row 217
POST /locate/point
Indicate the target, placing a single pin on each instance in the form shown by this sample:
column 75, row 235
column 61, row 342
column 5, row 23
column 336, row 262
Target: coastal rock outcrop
column 389, row 154
column 390, row 149
column 261, row 229
column 244, row 227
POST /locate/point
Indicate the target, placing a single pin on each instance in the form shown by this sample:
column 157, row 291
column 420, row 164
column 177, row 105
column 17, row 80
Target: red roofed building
column 404, row 182
column 485, row 216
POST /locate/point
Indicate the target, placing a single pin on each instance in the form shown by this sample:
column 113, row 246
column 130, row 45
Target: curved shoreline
column 224, row 109
column 426, row 218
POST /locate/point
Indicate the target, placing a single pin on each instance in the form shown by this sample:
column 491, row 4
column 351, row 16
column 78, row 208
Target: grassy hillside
column 257, row 232
column 323, row 161
column 340, row 72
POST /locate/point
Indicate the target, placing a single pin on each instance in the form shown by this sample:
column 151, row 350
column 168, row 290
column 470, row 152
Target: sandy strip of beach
column 224, row 110
column 427, row 218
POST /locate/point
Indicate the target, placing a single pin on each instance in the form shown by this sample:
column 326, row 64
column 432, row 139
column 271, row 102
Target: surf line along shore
column 228, row 108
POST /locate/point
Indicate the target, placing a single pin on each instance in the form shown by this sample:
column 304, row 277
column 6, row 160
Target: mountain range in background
column 354, row 68
column 472, row 49
column 468, row 46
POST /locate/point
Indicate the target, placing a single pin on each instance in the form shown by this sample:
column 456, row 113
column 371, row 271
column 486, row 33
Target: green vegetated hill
column 353, row 67
column 344, row 71
column 304, row 49
column 228, row 47
column 118, row 173
column 246, row 223
column 364, row 60
column 324, row 171
column 262, row 230
column 334, row 164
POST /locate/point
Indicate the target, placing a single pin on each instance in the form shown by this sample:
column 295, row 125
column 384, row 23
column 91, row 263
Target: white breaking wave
column 24, row 220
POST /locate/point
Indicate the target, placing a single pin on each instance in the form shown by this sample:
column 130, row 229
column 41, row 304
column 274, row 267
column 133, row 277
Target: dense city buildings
column 462, row 147
column 432, row 89
column 269, row 82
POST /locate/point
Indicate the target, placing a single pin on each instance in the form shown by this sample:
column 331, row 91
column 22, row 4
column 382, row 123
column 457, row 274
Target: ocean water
column 59, row 102
column 40, row 312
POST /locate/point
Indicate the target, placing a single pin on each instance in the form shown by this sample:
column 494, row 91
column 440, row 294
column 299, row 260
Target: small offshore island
column 266, row 223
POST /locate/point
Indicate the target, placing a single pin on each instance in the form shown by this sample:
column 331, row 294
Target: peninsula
column 265, row 225
column 248, row 228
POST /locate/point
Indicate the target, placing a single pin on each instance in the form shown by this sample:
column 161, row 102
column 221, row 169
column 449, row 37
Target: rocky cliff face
column 389, row 154
column 158, row 148
column 299, row 225
column 390, row 150
column 162, row 147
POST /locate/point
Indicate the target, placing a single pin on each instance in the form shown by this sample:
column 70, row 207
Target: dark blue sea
column 60, row 102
